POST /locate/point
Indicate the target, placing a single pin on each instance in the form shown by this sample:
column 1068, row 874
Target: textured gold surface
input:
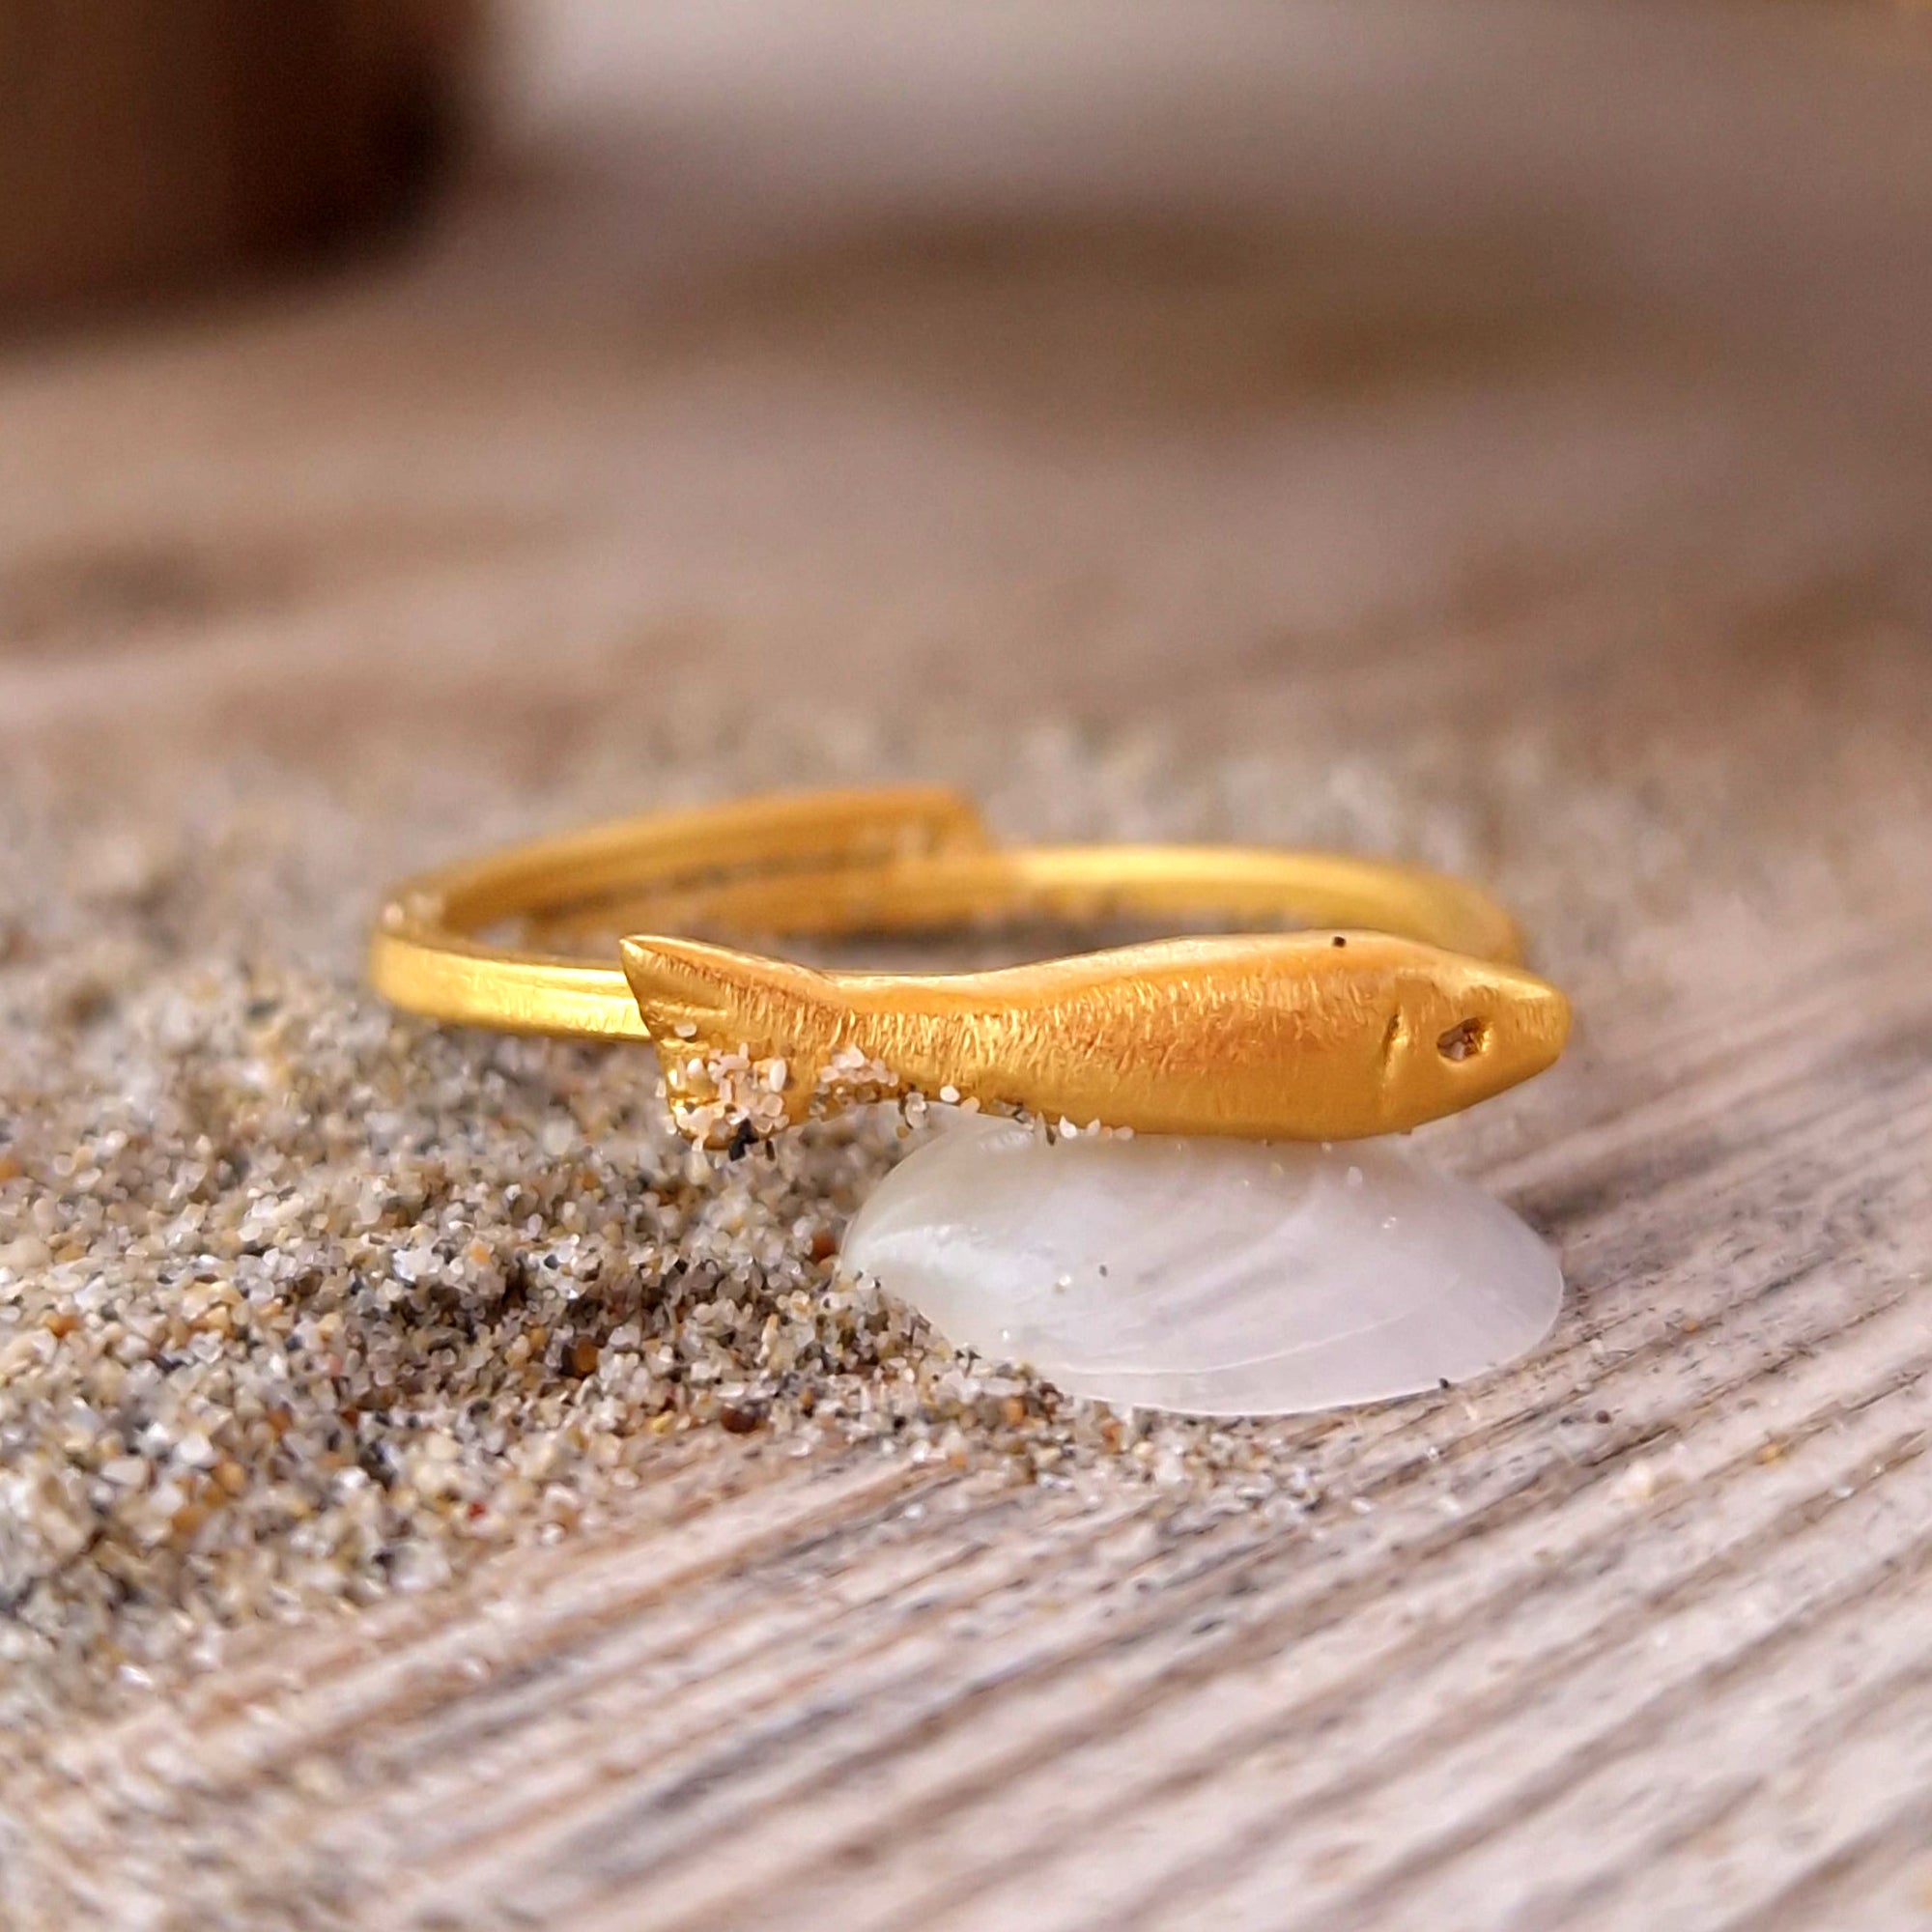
column 1415, row 1009
column 1299, row 1036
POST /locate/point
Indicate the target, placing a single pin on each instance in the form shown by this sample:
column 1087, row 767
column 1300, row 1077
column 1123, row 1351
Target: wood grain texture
column 1588, row 532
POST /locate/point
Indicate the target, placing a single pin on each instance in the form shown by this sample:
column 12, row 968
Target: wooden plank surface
column 1505, row 440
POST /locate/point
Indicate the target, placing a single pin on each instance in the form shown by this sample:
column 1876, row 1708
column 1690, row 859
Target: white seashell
column 1209, row 1277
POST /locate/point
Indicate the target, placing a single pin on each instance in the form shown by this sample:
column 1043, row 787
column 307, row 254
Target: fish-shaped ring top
column 1398, row 1000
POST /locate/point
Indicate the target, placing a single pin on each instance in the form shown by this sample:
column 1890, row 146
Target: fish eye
column 1465, row 1039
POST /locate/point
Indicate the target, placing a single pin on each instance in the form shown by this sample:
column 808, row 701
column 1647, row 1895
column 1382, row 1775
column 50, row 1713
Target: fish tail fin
column 685, row 987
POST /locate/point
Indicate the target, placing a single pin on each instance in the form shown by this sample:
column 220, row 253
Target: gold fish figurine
column 1303, row 1036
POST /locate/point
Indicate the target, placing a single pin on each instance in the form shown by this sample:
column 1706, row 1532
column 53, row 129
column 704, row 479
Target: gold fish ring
column 1396, row 998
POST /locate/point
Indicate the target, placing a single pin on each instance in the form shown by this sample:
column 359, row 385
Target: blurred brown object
column 149, row 144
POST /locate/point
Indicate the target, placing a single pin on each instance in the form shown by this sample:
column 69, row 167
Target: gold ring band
column 1396, row 999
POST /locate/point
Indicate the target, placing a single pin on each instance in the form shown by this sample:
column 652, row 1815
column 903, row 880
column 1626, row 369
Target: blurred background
column 388, row 370
column 1490, row 431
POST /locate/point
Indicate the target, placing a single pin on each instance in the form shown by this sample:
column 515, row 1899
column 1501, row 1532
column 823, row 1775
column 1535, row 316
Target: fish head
column 1457, row 1029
